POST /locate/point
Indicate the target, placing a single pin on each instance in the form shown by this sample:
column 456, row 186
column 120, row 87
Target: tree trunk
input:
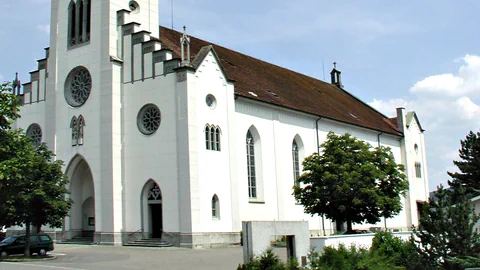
column 349, row 226
column 39, row 229
column 27, row 239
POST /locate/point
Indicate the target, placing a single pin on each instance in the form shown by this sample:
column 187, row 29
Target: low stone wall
column 359, row 240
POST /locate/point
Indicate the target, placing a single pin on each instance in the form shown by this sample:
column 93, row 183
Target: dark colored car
column 39, row 244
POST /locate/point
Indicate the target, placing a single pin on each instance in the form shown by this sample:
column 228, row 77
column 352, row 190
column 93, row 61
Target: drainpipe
column 318, row 151
column 379, row 144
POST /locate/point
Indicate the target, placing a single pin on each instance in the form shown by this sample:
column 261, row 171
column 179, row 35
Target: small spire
column 336, row 76
column 16, row 85
column 185, row 42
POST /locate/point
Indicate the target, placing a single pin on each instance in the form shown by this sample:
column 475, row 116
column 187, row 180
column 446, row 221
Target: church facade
column 166, row 135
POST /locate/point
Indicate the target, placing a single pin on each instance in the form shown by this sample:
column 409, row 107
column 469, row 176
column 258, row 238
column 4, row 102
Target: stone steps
column 78, row 241
column 152, row 242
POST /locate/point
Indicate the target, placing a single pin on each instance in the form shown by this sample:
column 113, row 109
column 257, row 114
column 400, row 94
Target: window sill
column 256, row 201
column 78, row 45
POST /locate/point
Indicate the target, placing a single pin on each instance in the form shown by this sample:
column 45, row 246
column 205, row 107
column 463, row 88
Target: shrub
column 269, row 261
column 397, row 251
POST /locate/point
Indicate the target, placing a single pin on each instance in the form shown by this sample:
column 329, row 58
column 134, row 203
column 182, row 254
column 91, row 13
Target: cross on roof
column 335, row 65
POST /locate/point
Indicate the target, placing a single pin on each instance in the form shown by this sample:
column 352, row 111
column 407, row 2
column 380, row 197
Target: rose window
column 35, row 132
column 78, row 86
column 149, row 119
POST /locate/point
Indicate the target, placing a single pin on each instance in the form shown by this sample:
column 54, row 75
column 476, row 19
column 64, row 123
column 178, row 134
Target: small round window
column 148, row 119
column 134, row 6
column 78, row 86
column 211, row 101
column 35, row 132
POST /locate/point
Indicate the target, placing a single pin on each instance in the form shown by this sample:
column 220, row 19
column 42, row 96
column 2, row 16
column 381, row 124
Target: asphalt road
column 76, row 257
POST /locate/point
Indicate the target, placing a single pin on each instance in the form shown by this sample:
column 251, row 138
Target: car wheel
column 3, row 254
column 42, row 252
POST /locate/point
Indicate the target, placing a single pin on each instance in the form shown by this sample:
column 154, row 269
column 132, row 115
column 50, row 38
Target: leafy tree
column 448, row 237
column 9, row 106
column 32, row 184
column 351, row 182
column 469, row 165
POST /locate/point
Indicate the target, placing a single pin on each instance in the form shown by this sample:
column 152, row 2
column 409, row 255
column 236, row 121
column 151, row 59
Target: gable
column 412, row 116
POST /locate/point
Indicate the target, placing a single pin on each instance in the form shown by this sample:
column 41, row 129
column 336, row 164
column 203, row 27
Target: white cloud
column 44, row 28
column 466, row 81
column 448, row 108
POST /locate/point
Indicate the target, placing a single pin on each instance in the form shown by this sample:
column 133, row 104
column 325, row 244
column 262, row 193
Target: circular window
column 78, row 86
column 134, row 6
column 35, row 132
column 148, row 119
column 211, row 101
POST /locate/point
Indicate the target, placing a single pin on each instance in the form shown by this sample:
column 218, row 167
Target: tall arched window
column 81, row 124
column 217, row 138
column 296, row 162
column 212, row 138
column 73, row 126
column 72, row 18
column 207, row 137
column 215, row 207
column 252, row 185
column 79, row 24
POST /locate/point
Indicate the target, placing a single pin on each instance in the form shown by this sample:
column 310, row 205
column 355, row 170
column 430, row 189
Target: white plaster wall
column 213, row 166
column 151, row 156
column 277, row 128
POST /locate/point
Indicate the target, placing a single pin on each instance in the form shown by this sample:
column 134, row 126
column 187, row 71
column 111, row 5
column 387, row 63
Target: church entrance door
column 81, row 219
column 152, row 209
column 156, row 218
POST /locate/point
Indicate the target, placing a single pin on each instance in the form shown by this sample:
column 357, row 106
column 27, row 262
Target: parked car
column 3, row 233
column 39, row 244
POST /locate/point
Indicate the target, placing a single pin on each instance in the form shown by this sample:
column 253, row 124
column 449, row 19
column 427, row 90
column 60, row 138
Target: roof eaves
column 398, row 133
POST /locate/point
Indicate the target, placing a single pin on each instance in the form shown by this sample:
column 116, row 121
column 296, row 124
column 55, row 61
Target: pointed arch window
column 215, row 207
column 77, row 125
column 212, row 137
column 252, row 185
column 73, row 126
column 80, row 125
column 207, row 137
column 79, row 22
column 296, row 162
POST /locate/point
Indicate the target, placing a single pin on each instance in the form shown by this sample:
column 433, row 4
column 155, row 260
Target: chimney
column 336, row 76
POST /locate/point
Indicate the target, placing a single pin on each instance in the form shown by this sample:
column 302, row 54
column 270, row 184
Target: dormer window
column 79, row 16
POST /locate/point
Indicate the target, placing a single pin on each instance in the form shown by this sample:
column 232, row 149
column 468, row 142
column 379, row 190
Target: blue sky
column 423, row 55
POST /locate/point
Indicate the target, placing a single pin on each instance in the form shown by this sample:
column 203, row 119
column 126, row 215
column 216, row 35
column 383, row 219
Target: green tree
column 469, row 165
column 448, row 234
column 351, row 182
column 32, row 184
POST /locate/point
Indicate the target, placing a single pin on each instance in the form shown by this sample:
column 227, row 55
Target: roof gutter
column 378, row 138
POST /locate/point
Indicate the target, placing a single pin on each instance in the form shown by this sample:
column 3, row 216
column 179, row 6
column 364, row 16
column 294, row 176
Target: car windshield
column 9, row 240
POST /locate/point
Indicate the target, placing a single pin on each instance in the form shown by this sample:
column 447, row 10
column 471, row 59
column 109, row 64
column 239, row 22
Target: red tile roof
column 286, row 88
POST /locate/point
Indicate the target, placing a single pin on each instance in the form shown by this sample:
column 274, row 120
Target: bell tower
column 83, row 80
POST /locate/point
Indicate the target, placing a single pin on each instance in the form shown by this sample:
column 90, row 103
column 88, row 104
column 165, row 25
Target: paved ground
column 75, row 257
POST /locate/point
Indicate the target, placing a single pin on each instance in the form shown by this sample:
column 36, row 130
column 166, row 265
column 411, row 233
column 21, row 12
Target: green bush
column 397, row 251
column 351, row 258
column 269, row 261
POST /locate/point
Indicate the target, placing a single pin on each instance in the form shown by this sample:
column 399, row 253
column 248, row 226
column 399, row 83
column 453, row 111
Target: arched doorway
column 152, row 211
column 82, row 192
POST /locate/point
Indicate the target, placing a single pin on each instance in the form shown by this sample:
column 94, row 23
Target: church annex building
column 169, row 136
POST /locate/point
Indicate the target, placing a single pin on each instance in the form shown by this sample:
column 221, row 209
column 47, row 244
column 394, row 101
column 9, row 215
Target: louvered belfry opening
column 79, row 24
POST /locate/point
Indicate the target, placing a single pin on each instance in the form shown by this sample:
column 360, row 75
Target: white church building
column 166, row 135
